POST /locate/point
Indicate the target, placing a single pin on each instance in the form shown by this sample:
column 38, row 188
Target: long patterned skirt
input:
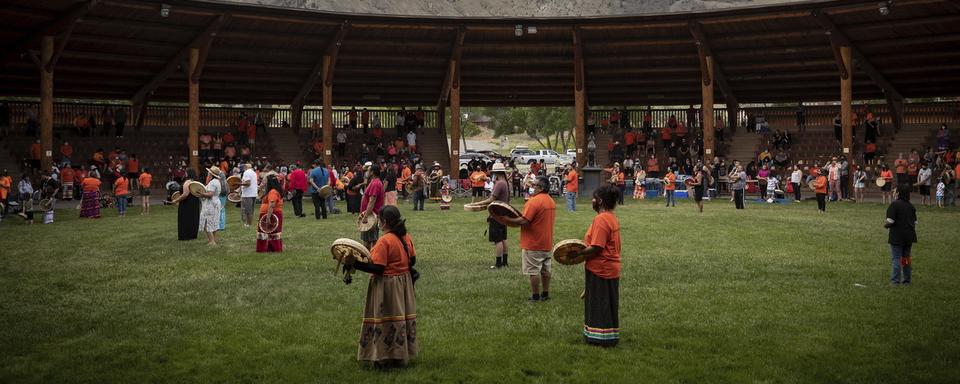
column 271, row 241
column 389, row 329
column 601, row 304
column 90, row 205
column 68, row 191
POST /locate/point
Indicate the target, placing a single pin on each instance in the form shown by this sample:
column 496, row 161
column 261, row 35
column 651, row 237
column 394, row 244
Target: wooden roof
column 264, row 55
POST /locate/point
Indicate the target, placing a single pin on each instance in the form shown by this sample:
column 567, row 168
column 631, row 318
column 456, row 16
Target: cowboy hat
column 436, row 164
column 214, row 170
column 498, row 167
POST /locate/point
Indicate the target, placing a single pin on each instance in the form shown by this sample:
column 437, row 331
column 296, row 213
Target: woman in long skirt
column 601, row 322
column 90, row 200
column 269, row 239
column 389, row 332
column 188, row 211
column 210, row 206
column 353, row 192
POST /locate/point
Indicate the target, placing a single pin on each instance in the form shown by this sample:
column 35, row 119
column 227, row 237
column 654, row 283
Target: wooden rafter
column 703, row 47
column 453, row 64
column 837, row 35
column 175, row 62
column 64, row 21
column 332, row 49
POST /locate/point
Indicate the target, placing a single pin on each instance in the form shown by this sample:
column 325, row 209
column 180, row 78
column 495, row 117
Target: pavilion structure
column 218, row 52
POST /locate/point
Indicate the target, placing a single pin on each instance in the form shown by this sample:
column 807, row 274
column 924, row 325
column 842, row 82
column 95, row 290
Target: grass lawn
column 774, row 293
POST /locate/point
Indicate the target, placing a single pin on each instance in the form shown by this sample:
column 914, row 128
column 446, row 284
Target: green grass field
column 774, row 293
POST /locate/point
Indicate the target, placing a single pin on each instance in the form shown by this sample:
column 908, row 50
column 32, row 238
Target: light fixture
column 518, row 30
column 884, row 7
column 164, row 10
column 532, row 30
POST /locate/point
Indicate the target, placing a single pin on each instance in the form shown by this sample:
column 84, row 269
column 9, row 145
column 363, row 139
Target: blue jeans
column 897, row 252
column 418, row 198
column 121, row 204
column 330, row 205
column 571, row 201
column 670, row 198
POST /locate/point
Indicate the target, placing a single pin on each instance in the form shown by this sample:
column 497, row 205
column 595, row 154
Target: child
column 941, row 187
column 772, row 183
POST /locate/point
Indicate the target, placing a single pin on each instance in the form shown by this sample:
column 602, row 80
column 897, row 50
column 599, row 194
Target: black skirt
column 601, row 305
column 188, row 218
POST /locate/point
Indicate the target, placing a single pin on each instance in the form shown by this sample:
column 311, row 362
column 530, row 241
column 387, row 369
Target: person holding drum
column 270, row 225
column 370, row 205
column 248, row 194
column 601, row 299
column 536, row 237
column 887, row 187
column 188, row 209
column 497, row 232
column 388, row 336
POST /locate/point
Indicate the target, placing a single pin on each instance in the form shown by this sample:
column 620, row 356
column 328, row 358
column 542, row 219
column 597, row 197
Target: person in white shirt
column 795, row 179
column 923, row 179
column 772, row 183
column 341, row 142
column 248, row 194
column 833, row 177
column 412, row 141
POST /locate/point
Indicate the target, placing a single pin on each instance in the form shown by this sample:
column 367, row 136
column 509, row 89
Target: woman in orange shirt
column 668, row 186
column 601, row 300
column 90, row 200
column 269, row 238
column 820, row 187
column 389, row 333
column 478, row 179
column 886, row 189
column 121, row 188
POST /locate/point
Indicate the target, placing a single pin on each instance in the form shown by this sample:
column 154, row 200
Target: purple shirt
column 374, row 189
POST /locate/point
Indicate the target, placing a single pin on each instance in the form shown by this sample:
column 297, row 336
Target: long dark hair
column 274, row 184
column 607, row 195
column 390, row 216
column 191, row 174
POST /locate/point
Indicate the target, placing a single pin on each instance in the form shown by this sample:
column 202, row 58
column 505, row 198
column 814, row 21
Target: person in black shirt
column 901, row 222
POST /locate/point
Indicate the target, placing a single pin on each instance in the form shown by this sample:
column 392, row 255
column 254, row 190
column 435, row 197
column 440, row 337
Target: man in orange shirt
column 571, row 187
column 5, row 183
column 653, row 167
column 666, row 135
column 145, row 179
column 133, row 169
column 478, row 178
column 35, row 155
column 900, row 165
column 536, row 237
column 630, row 139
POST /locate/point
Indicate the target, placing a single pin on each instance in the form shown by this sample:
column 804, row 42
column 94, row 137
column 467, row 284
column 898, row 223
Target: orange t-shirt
column 91, row 184
column 901, row 165
column 821, row 184
column 66, row 150
column 871, row 148
column 665, row 133
column 5, row 182
column 388, row 252
column 273, row 196
column 478, row 178
column 572, row 182
column 35, row 151
column 668, row 181
column 122, row 186
column 133, row 165
column 681, row 130
column 67, row 175
column 629, row 138
column 653, row 166
column 887, row 175
column 145, row 179
column 604, row 232
column 541, row 212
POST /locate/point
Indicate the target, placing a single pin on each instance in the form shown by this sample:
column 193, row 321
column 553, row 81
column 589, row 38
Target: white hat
column 436, row 164
column 367, row 165
column 498, row 167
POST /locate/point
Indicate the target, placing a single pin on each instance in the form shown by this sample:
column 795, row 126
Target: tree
column 550, row 126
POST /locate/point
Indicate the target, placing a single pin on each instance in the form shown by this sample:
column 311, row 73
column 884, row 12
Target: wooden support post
column 139, row 110
column 733, row 116
column 322, row 72
column 327, row 114
column 709, row 147
column 846, row 100
column 579, row 99
column 193, row 112
column 296, row 115
column 896, row 112
column 454, row 118
column 46, row 103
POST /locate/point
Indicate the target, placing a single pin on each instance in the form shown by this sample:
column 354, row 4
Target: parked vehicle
column 548, row 156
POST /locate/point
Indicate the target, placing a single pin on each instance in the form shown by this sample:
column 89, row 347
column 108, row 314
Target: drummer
column 371, row 203
column 536, row 237
column 601, row 323
column 496, row 232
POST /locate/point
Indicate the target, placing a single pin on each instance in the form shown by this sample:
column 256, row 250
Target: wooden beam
column 58, row 50
column 46, row 103
column 706, row 109
column 212, row 27
column 455, row 117
column 579, row 100
column 193, row 109
column 864, row 63
column 896, row 109
column 204, row 48
column 716, row 72
column 52, row 28
column 327, row 114
column 453, row 65
column 846, row 100
column 332, row 50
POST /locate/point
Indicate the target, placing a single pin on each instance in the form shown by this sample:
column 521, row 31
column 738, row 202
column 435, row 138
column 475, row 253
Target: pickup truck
column 548, row 156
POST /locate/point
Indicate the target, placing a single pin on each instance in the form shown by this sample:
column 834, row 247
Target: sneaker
column 532, row 300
